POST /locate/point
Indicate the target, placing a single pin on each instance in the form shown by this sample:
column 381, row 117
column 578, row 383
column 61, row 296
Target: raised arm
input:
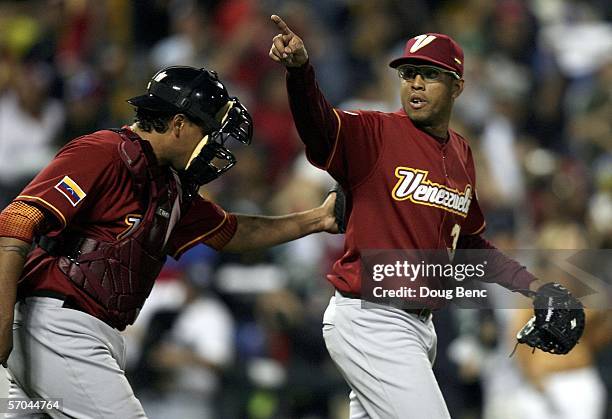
column 315, row 119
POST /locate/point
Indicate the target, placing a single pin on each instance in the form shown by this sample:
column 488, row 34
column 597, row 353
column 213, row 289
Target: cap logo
column 421, row 41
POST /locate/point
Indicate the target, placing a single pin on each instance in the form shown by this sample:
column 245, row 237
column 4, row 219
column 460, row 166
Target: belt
column 421, row 313
column 68, row 303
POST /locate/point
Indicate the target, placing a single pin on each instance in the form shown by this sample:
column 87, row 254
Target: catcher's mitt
column 339, row 207
column 558, row 322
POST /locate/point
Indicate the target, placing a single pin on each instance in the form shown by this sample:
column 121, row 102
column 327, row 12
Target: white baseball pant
column 386, row 357
column 60, row 353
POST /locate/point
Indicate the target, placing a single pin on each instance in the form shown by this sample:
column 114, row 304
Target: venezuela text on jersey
column 413, row 185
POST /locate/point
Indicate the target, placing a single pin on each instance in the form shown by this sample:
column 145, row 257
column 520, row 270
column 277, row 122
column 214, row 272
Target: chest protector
column 120, row 275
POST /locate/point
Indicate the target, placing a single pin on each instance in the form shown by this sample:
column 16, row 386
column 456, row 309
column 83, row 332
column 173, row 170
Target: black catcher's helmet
column 200, row 95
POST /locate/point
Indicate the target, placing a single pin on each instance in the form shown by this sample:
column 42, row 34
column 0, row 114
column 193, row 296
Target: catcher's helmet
column 200, row 95
column 197, row 93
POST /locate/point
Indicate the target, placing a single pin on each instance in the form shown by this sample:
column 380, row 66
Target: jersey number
column 455, row 236
column 132, row 221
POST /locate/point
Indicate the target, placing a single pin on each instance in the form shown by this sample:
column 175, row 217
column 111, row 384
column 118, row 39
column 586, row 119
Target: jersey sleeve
column 71, row 181
column 475, row 221
column 500, row 269
column 357, row 147
column 21, row 221
column 345, row 144
column 204, row 222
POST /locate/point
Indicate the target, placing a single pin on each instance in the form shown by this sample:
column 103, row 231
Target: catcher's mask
column 200, row 95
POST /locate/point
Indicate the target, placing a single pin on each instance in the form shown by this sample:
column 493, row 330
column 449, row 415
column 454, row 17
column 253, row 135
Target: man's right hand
column 6, row 344
column 287, row 48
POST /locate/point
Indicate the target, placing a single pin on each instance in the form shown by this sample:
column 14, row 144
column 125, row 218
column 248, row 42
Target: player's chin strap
column 211, row 157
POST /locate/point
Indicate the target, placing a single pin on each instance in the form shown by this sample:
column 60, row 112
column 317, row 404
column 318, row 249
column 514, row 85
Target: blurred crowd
column 228, row 336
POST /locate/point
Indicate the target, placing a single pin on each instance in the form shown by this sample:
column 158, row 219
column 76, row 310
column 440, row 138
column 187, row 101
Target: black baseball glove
column 339, row 207
column 558, row 322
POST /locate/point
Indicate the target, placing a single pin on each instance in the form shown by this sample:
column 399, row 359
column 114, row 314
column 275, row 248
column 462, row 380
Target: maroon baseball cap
column 436, row 48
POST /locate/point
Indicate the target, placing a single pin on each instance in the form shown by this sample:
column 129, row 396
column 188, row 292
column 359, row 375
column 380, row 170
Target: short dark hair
column 149, row 120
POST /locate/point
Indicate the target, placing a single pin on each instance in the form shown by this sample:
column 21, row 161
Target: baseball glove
column 558, row 322
column 339, row 207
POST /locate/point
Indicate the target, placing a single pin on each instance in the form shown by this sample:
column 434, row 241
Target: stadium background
column 241, row 334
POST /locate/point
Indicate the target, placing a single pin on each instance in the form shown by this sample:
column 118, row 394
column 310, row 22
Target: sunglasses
column 427, row 72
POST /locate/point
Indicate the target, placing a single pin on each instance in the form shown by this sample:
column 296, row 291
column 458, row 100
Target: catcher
column 105, row 214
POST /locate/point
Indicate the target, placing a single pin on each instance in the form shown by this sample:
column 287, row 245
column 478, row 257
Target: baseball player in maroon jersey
column 410, row 184
column 105, row 213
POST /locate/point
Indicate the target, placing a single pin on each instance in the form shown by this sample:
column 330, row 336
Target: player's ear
column 176, row 124
column 456, row 88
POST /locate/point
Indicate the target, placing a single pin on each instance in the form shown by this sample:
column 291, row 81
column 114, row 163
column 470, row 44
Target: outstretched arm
column 257, row 231
column 500, row 268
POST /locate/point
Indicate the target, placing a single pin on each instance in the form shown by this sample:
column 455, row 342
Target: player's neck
column 438, row 131
column 156, row 143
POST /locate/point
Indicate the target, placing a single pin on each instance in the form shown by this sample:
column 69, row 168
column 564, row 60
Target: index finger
column 281, row 25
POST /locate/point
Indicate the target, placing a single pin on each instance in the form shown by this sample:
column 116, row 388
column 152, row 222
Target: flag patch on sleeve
column 71, row 190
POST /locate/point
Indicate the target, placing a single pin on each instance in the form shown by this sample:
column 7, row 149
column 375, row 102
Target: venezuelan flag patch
column 71, row 190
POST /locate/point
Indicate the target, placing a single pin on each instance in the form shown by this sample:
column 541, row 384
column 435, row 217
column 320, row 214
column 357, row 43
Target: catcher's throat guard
column 212, row 157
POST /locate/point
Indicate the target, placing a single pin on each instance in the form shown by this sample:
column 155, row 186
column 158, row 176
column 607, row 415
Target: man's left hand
column 558, row 322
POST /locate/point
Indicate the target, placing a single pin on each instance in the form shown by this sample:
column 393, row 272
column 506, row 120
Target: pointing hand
column 287, row 48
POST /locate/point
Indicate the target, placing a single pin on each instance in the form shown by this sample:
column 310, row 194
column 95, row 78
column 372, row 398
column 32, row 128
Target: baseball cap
column 435, row 48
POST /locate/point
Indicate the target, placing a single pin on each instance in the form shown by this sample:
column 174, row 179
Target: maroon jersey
column 406, row 189
column 89, row 191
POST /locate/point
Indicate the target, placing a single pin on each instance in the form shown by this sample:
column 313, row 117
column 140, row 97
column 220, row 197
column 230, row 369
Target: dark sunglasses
column 427, row 72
